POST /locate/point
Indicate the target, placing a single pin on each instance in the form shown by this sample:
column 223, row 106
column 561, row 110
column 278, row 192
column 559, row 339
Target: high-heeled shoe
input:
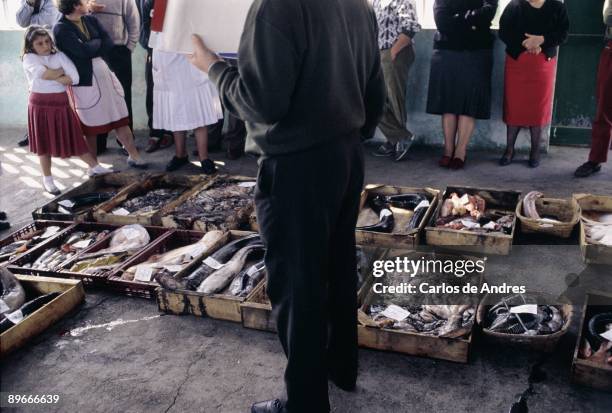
column 457, row 163
column 533, row 162
column 444, row 161
column 506, row 160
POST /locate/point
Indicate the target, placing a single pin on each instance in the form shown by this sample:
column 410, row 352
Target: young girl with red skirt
column 532, row 31
column 54, row 128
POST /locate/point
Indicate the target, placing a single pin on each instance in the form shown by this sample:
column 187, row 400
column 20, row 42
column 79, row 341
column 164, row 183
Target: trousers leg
column 235, row 134
column 393, row 122
column 602, row 125
column 300, row 213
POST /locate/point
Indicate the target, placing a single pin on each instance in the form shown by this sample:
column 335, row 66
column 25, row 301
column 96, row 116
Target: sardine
column 223, row 276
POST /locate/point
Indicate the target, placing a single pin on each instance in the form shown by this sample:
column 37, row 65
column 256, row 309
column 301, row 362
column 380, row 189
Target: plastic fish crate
column 189, row 183
column 586, row 372
column 71, row 296
column 34, row 226
column 144, row 289
column 119, row 181
column 63, row 272
column 411, row 239
column 239, row 220
column 594, row 253
column 218, row 306
column 494, row 243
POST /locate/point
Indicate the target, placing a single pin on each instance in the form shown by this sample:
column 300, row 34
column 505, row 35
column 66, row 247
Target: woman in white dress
column 183, row 99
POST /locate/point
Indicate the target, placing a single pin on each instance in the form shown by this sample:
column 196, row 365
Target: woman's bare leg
column 201, row 135
column 89, row 160
column 92, row 144
column 125, row 136
column 45, row 164
column 449, row 126
column 465, row 130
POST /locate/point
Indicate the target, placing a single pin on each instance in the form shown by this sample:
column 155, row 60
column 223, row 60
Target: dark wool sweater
column 308, row 73
column 550, row 21
column 70, row 40
column 464, row 24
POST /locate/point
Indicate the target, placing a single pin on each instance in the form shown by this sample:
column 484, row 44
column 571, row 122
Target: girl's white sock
column 48, row 180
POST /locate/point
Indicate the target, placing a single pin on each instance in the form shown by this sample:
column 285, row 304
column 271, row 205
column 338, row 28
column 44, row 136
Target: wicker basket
column 545, row 343
column 566, row 210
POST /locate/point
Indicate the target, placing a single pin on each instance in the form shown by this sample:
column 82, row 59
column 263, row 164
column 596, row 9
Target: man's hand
column 532, row 42
column 202, row 57
column 401, row 42
column 95, row 7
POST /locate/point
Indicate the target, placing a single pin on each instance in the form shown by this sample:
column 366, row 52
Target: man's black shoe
column 25, row 141
column 269, row 406
column 2, row 216
column 587, row 169
column 343, row 383
column 4, row 225
column 176, row 163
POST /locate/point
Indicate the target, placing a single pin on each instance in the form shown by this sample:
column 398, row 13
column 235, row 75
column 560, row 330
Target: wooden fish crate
column 146, row 289
column 28, row 230
column 118, row 182
column 408, row 240
column 64, row 271
column 257, row 311
column 239, row 220
column 543, row 343
column 72, row 294
column 218, row 306
column 472, row 242
column 585, row 372
column 594, row 253
column 189, row 183
column 566, row 210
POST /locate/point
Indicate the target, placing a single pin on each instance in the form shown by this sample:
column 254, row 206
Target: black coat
column 70, row 40
column 551, row 21
column 464, row 24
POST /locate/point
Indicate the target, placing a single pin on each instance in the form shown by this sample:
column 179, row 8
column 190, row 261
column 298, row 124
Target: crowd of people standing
column 98, row 37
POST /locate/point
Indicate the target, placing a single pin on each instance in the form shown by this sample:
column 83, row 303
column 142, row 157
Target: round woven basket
column 544, row 343
column 566, row 210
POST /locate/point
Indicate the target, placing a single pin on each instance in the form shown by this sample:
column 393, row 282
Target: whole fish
column 529, row 206
column 13, row 294
column 221, row 256
column 25, row 310
column 219, row 279
column 247, row 279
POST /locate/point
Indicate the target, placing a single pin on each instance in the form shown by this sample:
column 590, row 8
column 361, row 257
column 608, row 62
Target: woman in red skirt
column 54, row 129
column 532, row 31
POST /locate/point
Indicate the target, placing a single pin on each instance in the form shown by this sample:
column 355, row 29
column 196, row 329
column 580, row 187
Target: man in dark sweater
column 309, row 85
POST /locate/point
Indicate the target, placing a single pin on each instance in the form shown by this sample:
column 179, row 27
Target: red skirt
column 53, row 127
column 528, row 90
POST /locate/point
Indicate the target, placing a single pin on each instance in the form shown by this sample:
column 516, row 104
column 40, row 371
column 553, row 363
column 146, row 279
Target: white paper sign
column 218, row 22
column 247, row 184
column 384, row 213
column 143, row 273
column 66, row 203
column 396, row 313
column 607, row 335
column 82, row 244
column 121, row 212
column 50, row 231
column 524, row 309
column 213, row 263
column 173, row 268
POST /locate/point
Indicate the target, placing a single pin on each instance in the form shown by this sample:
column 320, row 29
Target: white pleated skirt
column 184, row 98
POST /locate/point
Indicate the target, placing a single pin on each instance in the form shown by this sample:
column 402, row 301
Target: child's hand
column 53, row 74
column 64, row 80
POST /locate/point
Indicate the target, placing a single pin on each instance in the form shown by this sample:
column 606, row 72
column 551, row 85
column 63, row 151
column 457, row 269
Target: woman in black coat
column 461, row 68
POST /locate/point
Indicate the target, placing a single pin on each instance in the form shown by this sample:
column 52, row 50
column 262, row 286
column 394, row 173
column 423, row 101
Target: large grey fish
column 13, row 295
column 247, row 279
column 219, row 279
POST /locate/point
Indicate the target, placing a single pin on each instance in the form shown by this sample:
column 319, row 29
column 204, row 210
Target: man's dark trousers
column 119, row 60
column 307, row 206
